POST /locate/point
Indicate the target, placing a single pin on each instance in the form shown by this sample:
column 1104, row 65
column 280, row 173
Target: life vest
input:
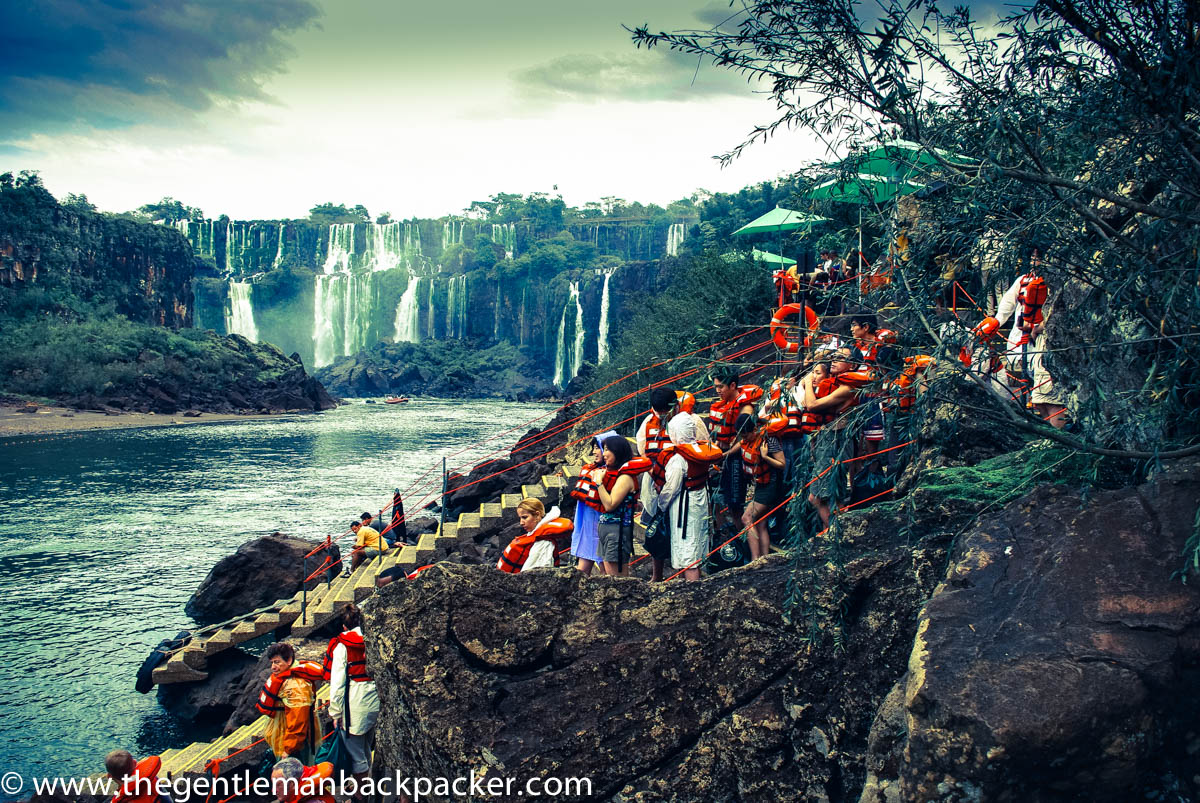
column 854, row 379
column 885, row 336
column 700, row 457
column 557, row 531
column 268, row 699
column 983, row 333
column 1033, row 298
column 315, row 784
column 356, row 657
column 867, row 349
column 723, row 417
column 905, row 385
column 658, row 466
column 779, row 328
column 586, row 489
column 656, row 435
column 142, row 786
column 634, row 467
column 687, row 402
column 755, row 465
column 785, row 407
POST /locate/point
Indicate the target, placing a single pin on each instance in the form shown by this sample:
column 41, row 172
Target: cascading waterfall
column 341, row 248
column 429, row 330
column 275, row 263
column 496, row 315
column 577, row 355
column 505, row 234
column 452, row 232
column 521, row 316
column 392, row 245
column 456, row 307
column 239, row 319
column 229, row 244
column 563, row 360
column 408, row 325
column 675, row 235
column 602, row 337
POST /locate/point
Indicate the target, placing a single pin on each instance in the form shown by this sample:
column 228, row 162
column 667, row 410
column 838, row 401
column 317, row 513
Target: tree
column 1069, row 127
column 329, row 213
column 169, row 211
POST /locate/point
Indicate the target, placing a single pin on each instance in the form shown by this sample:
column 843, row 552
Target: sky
column 264, row 108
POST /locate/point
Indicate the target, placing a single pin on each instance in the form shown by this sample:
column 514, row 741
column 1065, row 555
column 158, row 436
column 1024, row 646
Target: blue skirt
column 585, row 542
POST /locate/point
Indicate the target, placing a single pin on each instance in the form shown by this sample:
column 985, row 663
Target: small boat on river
column 395, row 400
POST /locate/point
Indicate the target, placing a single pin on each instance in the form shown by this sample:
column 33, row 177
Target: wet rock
column 260, row 572
column 1058, row 659
column 28, row 408
column 211, row 701
column 191, row 414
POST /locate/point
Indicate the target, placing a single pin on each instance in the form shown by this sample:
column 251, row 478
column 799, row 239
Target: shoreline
column 64, row 420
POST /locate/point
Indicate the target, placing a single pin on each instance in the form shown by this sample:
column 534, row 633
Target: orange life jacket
column 867, row 349
column 792, row 413
column 656, row 435
column 687, row 402
column 723, row 417
column 586, row 489
column 700, row 457
column 356, row 657
column 982, row 334
column 658, row 467
column 268, row 699
column 905, row 385
column 754, row 463
column 142, row 786
column 315, row 784
column 1031, row 297
column 557, row 531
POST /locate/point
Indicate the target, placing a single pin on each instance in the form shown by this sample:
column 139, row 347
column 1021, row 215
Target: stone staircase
column 194, row 757
column 189, row 663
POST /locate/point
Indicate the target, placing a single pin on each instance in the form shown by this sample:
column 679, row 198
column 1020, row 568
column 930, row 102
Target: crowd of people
column 825, row 431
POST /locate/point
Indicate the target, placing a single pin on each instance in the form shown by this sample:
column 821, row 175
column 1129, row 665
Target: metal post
column 303, row 588
column 442, row 520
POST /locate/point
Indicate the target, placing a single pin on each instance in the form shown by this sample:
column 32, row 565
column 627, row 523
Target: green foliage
column 328, row 213
column 168, row 210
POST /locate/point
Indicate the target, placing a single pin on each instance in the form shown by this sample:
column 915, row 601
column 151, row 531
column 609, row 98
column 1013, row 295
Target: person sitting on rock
column 545, row 536
column 368, row 543
column 292, row 782
column 288, row 698
column 136, row 781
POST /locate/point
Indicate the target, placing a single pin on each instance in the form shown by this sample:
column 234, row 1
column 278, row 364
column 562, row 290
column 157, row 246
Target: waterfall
column 496, row 315
column 430, row 332
column 325, row 308
column 228, row 244
column 392, row 245
column 675, row 236
column 505, row 234
column 279, row 248
column 408, row 324
column 602, row 337
column 341, row 248
column 521, row 316
column 239, row 319
column 562, row 360
column 456, row 307
column 577, row 361
column 452, row 232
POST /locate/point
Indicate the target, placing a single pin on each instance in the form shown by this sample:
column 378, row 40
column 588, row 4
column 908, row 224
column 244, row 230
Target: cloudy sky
column 262, row 108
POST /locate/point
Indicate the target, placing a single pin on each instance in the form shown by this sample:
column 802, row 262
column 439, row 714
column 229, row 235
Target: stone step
column 449, row 529
column 534, row 491
column 468, row 525
column 571, row 471
column 554, row 486
column 491, row 510
column 223, row 639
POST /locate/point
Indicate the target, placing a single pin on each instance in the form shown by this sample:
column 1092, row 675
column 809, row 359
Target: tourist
column 863, row 327
column 134, row 781
column 585, row 541
column 725, row 416
column 368, row 543
column 292, row 782
column 618, row 496
column 684, row 496
column 544, row 536
column 762, row 456
column 652, row 440
column 288, row 699
column 832, row 443
column 353, row 701
column 686, row 402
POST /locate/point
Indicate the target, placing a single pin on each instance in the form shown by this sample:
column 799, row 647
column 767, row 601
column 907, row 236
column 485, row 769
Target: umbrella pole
column 859, row 255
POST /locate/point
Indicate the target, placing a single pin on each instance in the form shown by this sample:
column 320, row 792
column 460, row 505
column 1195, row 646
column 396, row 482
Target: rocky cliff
column 1052, row 662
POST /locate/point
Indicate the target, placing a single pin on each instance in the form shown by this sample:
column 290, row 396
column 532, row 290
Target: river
column 104, row 535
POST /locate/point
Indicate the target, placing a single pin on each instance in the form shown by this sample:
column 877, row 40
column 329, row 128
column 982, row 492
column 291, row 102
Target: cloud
column 78, row 64
column 639, row 75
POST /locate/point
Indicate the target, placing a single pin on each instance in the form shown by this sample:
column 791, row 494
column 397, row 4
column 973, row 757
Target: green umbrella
column 773, row 259
column 780, row 219
column 864, row 188
column 901, row 159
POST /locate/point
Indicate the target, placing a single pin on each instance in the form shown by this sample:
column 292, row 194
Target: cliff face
column 145, row 271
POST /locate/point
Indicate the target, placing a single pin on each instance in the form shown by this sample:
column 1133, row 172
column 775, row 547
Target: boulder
column 213, row 700
column 260, row 572
column 1059, row 658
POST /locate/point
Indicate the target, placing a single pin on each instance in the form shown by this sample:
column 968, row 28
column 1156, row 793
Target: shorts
column 616, row 543
column 831, row 447
column 768, row 495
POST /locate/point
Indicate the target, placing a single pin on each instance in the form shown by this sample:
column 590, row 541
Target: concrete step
column 491, row 510
column 468, row 525
column 571, row 471
column 534, row 491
